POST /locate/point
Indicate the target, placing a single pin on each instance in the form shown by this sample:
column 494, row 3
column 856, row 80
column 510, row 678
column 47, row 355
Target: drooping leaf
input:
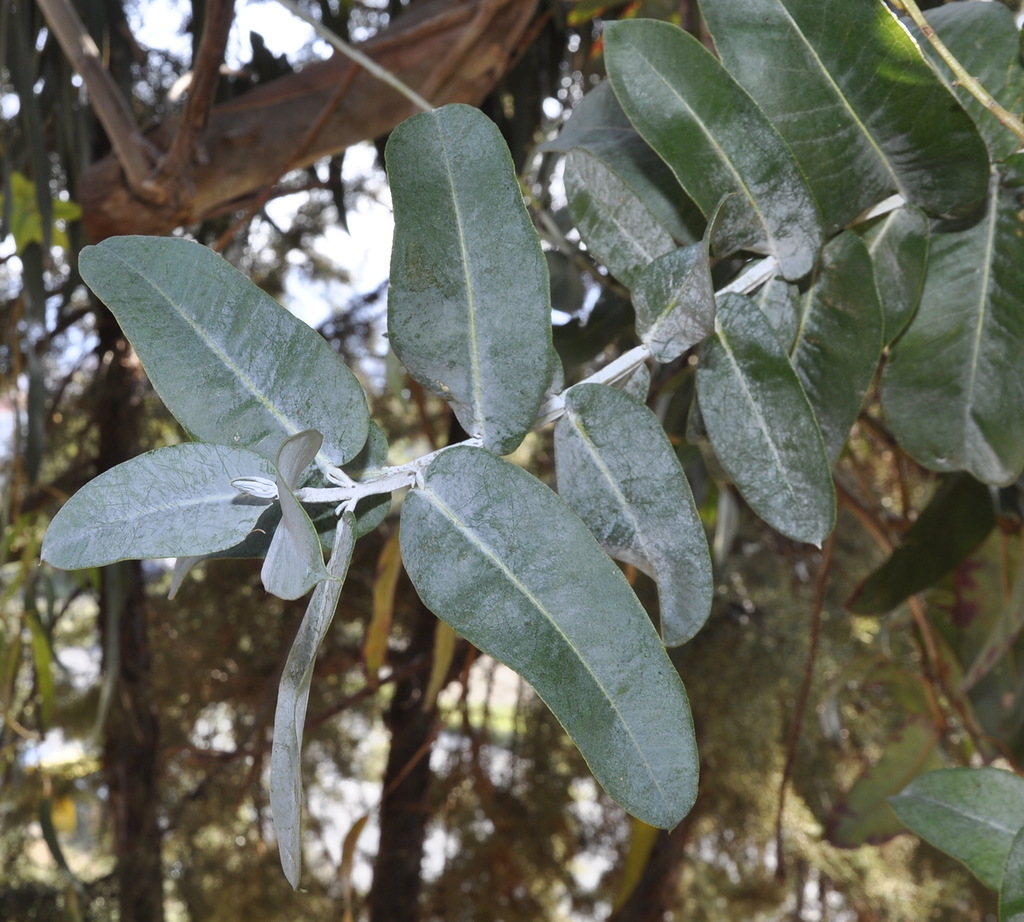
column 1006, row 627
column 295, row 558
column 863, row 112
column 389, row 568
column 1011, row 894
column 973, row 814
column 952, row 390
column 839, row 339
column 175, row 500
column 716, row 141
column 470, row 323
column 292, row 699
column 233, row 366
column 863, row 816
column 898, row 244
column 762, row 426
column 620, row 474
column 958, row 518
column 504, row 561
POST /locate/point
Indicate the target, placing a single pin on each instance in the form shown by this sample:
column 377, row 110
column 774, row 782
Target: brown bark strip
column 456, row 50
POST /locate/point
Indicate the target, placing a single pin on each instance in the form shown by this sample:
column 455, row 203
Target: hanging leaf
column 470, row 323
column 864, row 114
column 233, row 366
column 503, row 560
column 761, row 425
column 839, row 341
column 952, row 390
column 715, row 140
column 389, row 568
column 620, row 474
column 175, row 500
column 973, row 814
column 292, row 699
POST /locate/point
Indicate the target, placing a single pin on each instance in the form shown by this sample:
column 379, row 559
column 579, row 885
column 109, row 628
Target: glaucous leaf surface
column 863, row 112
column 619, row 472
column 973, row 814
column 715, row 140
column 839, row 338
column 292, row 699
column 898, row 244
column 231, row 364
column 952, row 390
column 469, row 310
column 761, row 424
column 957, row 519
column 295, row 559
column 779, row 301
column 503, row 560
column 171, row 501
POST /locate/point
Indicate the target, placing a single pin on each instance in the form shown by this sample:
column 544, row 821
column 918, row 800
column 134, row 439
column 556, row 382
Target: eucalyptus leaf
column 470, row 323
column 863, row 112
column 761, row 424
column 293, row 698
column 504, row 561
column 715, row 140
column 171, row 501
column 1011, row 894
column 973, row 814
column 254, row 373
column 952, row 389
column 619, row 472
column 779, row 301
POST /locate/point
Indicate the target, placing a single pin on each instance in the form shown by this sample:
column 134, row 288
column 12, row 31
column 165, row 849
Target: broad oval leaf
column 504, row 561
column 952, row 390
column 973, row 814
column 861, row 109
column 231, row 364
column 168, row 502
column 762, row 426
column 292, row 699
column 619, row 472
column 469, row 309
column 716, row 141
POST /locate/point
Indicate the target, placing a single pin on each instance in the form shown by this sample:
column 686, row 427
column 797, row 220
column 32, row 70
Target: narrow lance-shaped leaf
column 762, row 426
column 292, row 699
column 952, row 390
column 471, row 322
column 171, row 501
column 716, row 141
column 295, row 559
column 620, row 474
column 504, row 561
column 861, row 109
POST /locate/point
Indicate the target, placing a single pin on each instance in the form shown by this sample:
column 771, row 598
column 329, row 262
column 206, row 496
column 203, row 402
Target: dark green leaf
column 619, row 472
column 173, row 501
column 849, row 91
column 471, row 323
column 973, row 814
column 232, row 365
column 715, row 140
column 505, row 562
column 761, row 425
column 952, row 389
column 779, row 301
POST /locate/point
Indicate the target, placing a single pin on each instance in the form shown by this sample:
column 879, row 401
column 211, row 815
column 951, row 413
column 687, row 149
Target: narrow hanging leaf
column 762, row 426
column 444, row 652
column 619, row 472
column 389, row 567
column 295, row 558
column 716, row 141
column 973, row 814
column 171, row 501
column 254, row 374
column 952, row 390
column 839, row 339
column 292, row 699
column 470, row 323
column 861, row 109
column 504, row 561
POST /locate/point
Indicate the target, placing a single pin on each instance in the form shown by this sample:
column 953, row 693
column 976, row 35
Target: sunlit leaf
column 389, row 568
column 504, row 561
